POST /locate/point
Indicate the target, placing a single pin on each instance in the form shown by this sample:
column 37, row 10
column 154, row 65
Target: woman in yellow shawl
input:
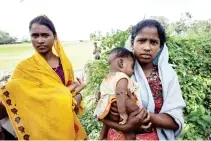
column 41, row 98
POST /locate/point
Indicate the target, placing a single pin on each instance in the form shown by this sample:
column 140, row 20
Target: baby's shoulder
column 116, row 75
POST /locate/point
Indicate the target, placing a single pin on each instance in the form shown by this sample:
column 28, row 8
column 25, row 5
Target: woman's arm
column 78, row 98
column 163, row 121
column 160, row 120
column 104, row 132
column 94, row 51
column 171, row 119
column 115, row 125
column 81, row 85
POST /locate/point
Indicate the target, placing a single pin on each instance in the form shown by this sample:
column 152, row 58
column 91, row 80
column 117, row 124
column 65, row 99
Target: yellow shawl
column 39, row 105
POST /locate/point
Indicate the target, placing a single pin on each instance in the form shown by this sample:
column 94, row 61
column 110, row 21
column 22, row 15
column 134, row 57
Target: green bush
column 190, row 56
column 95, row 76
column 91, row 125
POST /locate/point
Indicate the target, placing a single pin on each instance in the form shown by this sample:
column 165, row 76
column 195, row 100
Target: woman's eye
column 154, row 42
column 34, row 36
column 141, row 41
column 45, row 35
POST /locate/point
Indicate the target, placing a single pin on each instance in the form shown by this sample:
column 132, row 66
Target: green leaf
column 202, row 123
column 193, row 118
column 201, row 110
column 207, row 118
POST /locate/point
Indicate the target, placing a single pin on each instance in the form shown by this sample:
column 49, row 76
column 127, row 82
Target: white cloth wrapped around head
column 128, row 44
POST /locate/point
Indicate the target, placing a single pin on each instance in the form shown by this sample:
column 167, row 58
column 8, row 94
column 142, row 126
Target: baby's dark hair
column 44, row 20
column 149, row 23
column 121, row 52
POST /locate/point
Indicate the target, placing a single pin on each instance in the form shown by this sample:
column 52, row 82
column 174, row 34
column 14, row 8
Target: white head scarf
column 172, row 94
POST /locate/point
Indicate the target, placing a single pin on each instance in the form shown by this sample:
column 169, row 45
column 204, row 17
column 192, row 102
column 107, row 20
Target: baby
column 115, row 86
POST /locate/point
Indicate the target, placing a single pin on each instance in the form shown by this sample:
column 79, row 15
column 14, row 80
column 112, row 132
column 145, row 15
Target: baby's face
column 128, row 66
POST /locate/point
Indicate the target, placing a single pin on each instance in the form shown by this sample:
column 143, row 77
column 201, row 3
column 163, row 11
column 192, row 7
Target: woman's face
column 42, row 38
column 146, row 45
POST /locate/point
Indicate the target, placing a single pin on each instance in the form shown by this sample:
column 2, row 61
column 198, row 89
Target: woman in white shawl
column 160, row 90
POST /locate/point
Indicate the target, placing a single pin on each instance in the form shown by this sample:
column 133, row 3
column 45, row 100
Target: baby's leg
column 120, row 98
column 130, row 136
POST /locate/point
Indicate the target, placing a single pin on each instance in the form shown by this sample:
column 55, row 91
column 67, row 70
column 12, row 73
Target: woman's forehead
column 37, row 28
column 147, row 32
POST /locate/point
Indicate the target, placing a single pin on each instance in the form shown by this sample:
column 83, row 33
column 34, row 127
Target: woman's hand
column 146, row 122
column 77, row 86
column 114, row 114
column 78, row 98
column 135, row 118
column 73, row 86
column 81, row 85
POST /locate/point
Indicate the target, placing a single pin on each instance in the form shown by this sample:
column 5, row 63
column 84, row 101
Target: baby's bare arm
column 131, row 106
column 121, row 95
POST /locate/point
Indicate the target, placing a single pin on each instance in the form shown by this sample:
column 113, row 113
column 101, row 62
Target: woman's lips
column 145, row 56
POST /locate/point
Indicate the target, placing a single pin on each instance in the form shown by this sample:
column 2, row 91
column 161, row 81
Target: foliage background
column 5, row 38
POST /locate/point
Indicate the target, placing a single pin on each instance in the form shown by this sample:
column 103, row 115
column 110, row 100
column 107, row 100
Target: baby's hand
column 124, row 118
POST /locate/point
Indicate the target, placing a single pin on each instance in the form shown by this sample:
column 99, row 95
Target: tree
column 92, row 36
column 164, row 21
column 5, row 38
column 182, row 25
column 96, row 36
column 200, row 27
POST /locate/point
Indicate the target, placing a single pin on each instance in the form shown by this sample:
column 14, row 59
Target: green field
column 78, row 53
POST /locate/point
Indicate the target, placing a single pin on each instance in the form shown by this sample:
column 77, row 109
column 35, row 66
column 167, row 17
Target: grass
column 78, row 53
